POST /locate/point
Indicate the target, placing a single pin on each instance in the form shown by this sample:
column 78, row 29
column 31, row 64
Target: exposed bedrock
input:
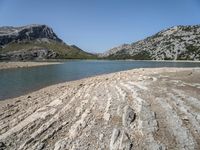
column 154, row 109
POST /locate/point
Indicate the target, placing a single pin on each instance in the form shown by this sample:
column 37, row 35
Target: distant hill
column 33, row 42
column 175, row 43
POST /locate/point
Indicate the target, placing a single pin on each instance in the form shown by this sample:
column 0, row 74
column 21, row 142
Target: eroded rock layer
column 152, row 109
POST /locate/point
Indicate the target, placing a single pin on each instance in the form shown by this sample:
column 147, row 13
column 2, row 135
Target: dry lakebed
column 152, row 109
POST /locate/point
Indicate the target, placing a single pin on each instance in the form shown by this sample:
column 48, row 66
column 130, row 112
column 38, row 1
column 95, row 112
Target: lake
column 16, row 82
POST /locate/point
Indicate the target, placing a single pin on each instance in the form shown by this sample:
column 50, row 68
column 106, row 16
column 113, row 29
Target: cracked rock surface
column 153, row 109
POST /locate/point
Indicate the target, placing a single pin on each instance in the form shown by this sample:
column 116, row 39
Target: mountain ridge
column 35, row 41
column 174, row 43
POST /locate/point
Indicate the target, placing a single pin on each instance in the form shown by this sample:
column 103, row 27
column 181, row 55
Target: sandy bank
column 137, row 109
column 9, row 65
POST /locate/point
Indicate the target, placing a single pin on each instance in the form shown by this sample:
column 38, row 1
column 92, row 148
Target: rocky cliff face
column 175, row 43
column 30, row 32
column 35, row 42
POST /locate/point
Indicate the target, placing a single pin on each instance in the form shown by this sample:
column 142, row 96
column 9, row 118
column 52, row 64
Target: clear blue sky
column 98, row 25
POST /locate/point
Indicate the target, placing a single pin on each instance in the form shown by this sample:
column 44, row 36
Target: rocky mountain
column 175, row 43
column 35, row 42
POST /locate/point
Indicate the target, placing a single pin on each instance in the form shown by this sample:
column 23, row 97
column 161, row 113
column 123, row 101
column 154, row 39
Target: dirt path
column 150, row 109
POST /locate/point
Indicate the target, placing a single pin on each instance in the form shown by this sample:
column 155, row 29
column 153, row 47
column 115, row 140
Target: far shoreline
column 4, row 65
column 195, row 61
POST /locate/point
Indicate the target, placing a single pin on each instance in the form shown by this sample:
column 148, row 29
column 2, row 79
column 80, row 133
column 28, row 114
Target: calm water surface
column 16, row 82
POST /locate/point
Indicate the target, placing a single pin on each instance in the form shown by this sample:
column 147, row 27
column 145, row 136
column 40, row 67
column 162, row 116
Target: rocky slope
column 35, row 42
column 176, row 43
column 153, row 109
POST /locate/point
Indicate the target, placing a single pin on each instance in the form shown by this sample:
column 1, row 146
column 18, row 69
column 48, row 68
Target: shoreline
column 25, row 64
column 139, row 71
column 159, row 103
column 190, row 61
column 186, row 61
column 85, row 78
column 94, row 76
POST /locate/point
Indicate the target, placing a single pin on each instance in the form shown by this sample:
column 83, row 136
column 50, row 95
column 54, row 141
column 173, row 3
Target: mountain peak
column 29, row 32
